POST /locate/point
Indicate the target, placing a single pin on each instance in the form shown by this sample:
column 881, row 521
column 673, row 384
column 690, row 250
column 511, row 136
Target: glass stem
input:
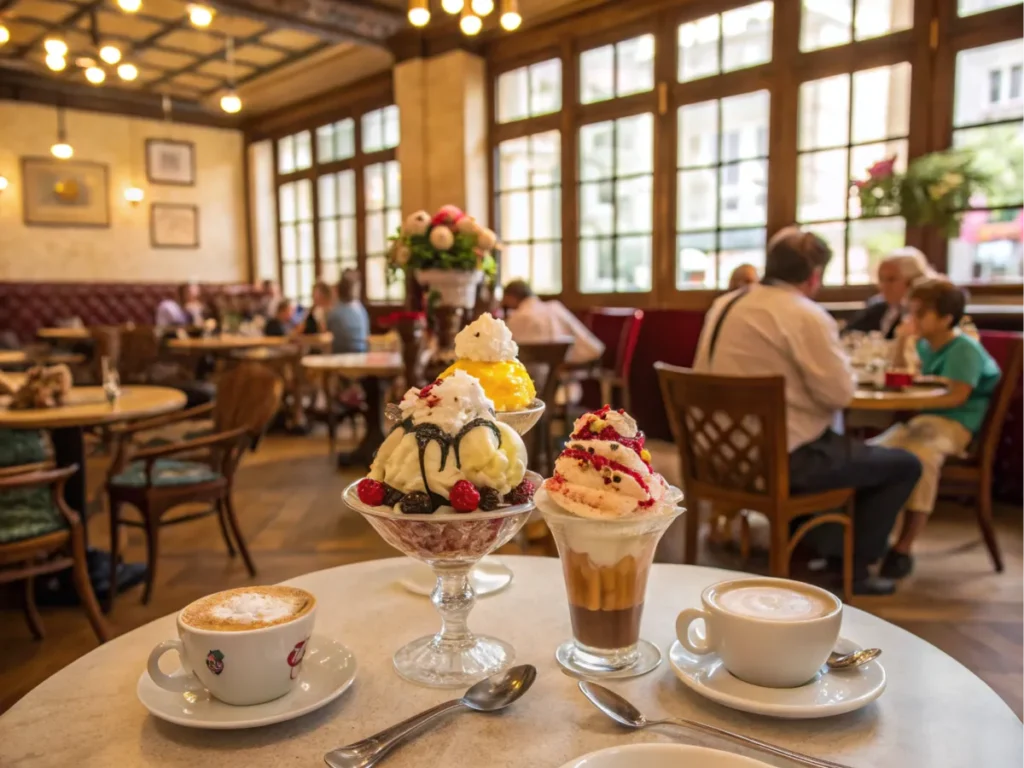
column 453, row 597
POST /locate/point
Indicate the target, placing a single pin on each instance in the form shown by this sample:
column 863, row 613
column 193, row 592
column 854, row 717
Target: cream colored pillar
column 442, row 103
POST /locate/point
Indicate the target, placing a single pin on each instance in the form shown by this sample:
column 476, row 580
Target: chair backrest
column 543, row 360
column 140, row 350
column 248, row 395
column 619, row 329
column 731, row 434
column 1008, row 352
column 106, row 342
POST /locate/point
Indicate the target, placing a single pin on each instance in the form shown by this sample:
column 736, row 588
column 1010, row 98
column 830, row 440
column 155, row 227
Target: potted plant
column 448, row 252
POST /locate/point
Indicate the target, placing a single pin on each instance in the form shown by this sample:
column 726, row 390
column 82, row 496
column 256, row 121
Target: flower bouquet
column 448, row 252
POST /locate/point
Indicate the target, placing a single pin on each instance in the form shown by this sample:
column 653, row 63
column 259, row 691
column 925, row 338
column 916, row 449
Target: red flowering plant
column 394, row 319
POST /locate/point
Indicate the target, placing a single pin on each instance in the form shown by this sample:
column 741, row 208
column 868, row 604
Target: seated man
column 936, row 308
column 776, row 329
column 187, row 310
column 316, row 318
column 533, row 320
column 280, row 323
column 348, row 319
column 897, row 274
column 742, row 276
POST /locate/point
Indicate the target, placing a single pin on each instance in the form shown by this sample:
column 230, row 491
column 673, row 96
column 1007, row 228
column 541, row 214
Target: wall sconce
column 3, row 183
column 134, row 195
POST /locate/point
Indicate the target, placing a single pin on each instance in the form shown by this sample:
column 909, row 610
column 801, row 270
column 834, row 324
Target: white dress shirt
column 542, row 322
column 774, row 330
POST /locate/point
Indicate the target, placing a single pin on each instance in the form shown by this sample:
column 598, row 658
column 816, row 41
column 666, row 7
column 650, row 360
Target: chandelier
column 471, row 13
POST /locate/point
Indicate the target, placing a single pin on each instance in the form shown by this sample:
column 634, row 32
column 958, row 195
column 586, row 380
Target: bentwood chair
column 971, row 475
column 731, row 436
column 543, row 362
column 619, row 328
column 39, row 533
column 156, row 480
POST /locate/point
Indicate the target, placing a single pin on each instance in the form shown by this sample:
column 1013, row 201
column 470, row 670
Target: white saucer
column 487, row 577
column 327, row 671
column 662, row 756
column 829, row 693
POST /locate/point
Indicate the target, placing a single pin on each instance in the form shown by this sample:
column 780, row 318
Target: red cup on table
column 898, row 379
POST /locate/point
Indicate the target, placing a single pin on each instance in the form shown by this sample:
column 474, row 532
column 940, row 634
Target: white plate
column 327, row 671
column 829, row 693
column 662, row 756
column 488, row 577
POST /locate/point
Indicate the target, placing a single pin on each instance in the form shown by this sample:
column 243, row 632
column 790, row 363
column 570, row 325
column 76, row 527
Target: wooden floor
column 288, row 498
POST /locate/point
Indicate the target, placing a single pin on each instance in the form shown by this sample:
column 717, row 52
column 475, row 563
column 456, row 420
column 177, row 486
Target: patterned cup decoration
column 296, row 656
column 215, row 662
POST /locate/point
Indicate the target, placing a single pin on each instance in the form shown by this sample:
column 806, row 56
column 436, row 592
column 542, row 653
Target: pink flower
column 882, row 168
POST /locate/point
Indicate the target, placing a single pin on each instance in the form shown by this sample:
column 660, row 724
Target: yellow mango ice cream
column 485, row 350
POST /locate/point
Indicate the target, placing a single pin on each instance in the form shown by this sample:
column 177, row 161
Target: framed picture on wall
column 171, row 162
column 173, row 225
column 64, row 193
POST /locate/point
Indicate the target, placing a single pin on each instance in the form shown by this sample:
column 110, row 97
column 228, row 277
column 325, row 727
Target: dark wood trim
column 277, row 216
column 152, row 225
column 192, row 158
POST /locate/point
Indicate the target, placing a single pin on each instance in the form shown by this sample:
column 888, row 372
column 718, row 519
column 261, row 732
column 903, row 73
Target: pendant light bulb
column 110, row 54
column 200, row 15
column 482, row 7
column 129, row 6
column 419, row 12
column 452, row 6
column 55, row 62
column 55, row 46
column 230, row 103
column 510, row 18
column 5, row 34
column 127, row 71
column 95, row 75
column 62, row 150
column 469, row 23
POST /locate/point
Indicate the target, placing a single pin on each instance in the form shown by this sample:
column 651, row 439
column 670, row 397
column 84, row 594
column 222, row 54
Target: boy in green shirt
column 936, row 308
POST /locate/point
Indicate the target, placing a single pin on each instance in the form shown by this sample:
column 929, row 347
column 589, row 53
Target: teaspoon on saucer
column 854, row 659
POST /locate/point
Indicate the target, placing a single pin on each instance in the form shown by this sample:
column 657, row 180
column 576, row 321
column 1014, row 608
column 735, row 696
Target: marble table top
column 356, row 364
column 86, row 406
column 934, row 713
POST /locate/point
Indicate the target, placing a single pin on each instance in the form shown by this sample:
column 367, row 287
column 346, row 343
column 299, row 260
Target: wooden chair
column 106, row 343
column 543, row 362
column 150, row 480
column 731, row 436
column 620, row 325
column 971, row 475
column 40, row 534
column 140, row 351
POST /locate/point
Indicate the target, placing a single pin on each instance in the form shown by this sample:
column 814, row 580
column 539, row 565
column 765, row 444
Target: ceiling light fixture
column 95, row 75
column 482, row 7
column 127, row 71
column 5, row 35
column 110, row 54
column 61, row 150
column 510, row 18
column 129, row 6
column 200, row 16
column 419, row 13
column 230, row 102
column 452, row 6
column 56, row 62
column 55, row 46
column 469, row 23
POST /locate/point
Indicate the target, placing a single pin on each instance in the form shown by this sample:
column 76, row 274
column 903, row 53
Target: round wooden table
column 224, row 343
column 913, row 398
column 934, row 713
column 13, row 358
column 375, row 371
column 64, row 334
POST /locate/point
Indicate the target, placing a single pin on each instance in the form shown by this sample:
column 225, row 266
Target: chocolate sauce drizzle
column 428, row 433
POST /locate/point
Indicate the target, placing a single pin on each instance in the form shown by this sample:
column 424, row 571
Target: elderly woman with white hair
column 897, row 274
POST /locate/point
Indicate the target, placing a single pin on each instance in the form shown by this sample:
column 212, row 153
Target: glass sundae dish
column 448, row 486
column 607, row 509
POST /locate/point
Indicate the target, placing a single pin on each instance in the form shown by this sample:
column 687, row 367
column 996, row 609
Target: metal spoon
column 489, row 695
column 851, row 660
column 624, row 713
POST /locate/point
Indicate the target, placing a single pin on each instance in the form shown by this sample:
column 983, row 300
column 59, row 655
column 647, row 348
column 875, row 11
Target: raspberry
column 417, row 503
column 392, row 496
column 490, row 499
column 522, row 493
column 464, row 496
column 370, row 492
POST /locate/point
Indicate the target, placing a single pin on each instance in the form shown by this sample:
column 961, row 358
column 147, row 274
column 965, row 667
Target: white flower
column 486, row 239
column 467, row 226
column 953, row 179
column 401, row 256
column 441, row 237
column 416, row 224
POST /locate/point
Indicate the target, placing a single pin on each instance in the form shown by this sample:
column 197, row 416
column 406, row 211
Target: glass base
column 424, row 663
column 578, row 662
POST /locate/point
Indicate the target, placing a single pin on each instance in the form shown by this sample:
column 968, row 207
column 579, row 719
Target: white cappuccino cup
column 245, row 646
column 770, row 632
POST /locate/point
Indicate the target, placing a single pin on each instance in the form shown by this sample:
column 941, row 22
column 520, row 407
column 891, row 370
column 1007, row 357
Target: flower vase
column 457, row 288
column 411, row 331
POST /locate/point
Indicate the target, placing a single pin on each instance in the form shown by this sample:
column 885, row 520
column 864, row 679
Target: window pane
column 325, row 143
column 743, row 193
column 345, row 138
column 514, row 164
column 634, row 205
column 303, row 151
column 347, row 192
column 547, row 214
column 328, row 239
column 871, row 240
column 746, row 116
column 824, row 112
column 304, row 199
column 697, row 192
column 286, row 202
column 286, row 154
column 695, row 261
column 391, row 127
column 972, row 98
column 326, row 199
column 347, row 238
column 373, row 131
column 513, row 95
column 747, row 36
column 597, row 74
column 881, row 103
column 634, row 144
column 882, row 17
column 698, row 48
column 374, row 181
column 514, row 213
column 545, row 87
column 634, row 65
column 392, row 184
column 835, row 235
column 392, row 221
column 290, row 282
column 634, row 264
column 824, row 23
column 988, row 249
column 1000, row 151
column 547, row 268
column 545, row 160
column 330, row 272
column 305, row 252
column 597, row 214
column 596, row 266
column 737, row 247
column 823, row 185
column 698, row 134
column 376, row 278
column 596, row 150
column 970, row 7
column 516, row 263
column 866, row 155
column 289, row 249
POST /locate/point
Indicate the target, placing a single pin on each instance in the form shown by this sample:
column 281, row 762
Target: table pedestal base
column 367, row 449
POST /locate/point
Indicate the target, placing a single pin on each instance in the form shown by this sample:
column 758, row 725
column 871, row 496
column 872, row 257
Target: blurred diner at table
column 315, row 320
column 898, row 272
column 187, row 310
column 348, row 320
column 742, row 276
column 534, row 321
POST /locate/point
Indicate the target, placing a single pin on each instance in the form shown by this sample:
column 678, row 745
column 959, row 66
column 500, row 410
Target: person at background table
column 315, row 320
column 348, row 321
column 280, row 322
column 936, row 308
column 897, row 274
column 742, row 276
column 269, row 299
column 777, row 329
column 543, row 322
column 186, row 310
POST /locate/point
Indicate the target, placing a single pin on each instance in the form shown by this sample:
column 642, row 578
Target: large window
column 826, row 23
column 725, row 42
column 339, row 200
column 846, row 124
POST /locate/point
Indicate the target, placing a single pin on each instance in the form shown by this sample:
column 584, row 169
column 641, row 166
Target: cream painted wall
column 123, row 252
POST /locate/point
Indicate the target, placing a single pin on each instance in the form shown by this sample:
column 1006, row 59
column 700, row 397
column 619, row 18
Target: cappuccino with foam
column 773, row 603
column 246, row 608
